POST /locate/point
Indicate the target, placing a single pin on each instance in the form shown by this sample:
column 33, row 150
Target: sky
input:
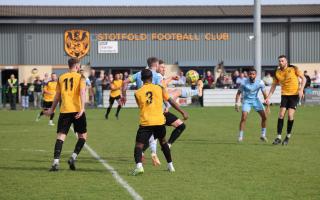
column 151, row 2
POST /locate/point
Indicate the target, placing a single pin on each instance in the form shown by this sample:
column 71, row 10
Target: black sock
column 118, row 110
column 280, row 126
column 41, row 113
column 137, row 154
column 289, row 126
column 108, row 111
column 57, row 149
column 51, row 116
column 166, row 152
column 145, row 147
column 79, row 145
column 176, row 133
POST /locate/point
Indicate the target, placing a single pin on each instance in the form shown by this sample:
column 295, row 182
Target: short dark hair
column 146, row 74
column 251, row 69
column 53, row 73
column 152, row 60
column 283, row 56
column 161, row 62
column 72, row 62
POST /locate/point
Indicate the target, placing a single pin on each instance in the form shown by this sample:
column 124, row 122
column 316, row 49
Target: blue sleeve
column 133, row 78
column 158, row 79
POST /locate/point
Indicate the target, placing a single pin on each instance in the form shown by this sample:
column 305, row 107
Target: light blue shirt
column 250, row 90
column 156, row 78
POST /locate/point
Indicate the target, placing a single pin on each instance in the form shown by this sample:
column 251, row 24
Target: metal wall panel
column 305, row 43
column 43, row 44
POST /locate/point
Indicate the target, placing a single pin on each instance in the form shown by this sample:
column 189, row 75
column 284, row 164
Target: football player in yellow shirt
column 49, row 91
column 71, row 93
column 287, row 76
column 115, row 94
column 150, row 99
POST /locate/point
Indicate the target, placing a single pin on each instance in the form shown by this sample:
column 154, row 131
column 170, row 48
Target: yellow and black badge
column 76, row 43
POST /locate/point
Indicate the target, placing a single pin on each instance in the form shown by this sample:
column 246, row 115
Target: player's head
column 146, row 76
column 117, row 76
column 54, row 76
column 161, row 68
column 252, row 73
column 153, row 63
column 74, row 63
column 283, row 61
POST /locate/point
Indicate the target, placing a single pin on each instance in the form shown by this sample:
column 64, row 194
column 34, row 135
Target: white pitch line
column 113, row 172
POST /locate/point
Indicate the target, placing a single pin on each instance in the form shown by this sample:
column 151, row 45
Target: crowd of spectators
column 98, row 83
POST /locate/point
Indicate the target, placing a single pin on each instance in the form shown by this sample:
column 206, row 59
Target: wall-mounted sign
column 76, row 43
column 312, row 95
column 162, row 36
column 107, row 46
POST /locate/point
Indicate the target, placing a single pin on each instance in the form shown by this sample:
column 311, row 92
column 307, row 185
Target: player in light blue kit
column 153, row 64
column 249, row 91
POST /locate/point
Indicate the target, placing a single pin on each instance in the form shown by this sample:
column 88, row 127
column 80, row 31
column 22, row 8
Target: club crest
column 76, row 43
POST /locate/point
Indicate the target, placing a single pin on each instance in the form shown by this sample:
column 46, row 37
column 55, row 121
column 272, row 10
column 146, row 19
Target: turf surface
column 209, row 162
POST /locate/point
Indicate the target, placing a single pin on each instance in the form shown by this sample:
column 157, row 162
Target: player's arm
column 135, row 97
column 168, row 80
column 124, row 88
column 82, row 98
column 303, row 81
column 238, row 103
column 174, row 104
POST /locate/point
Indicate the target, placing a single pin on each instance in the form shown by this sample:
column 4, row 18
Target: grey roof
column 156, row 11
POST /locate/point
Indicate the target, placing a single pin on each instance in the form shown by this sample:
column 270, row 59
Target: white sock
column 263, row 132
column 289, row 135
column 139, row 165
column 279, row 136
column 153, row 145
column 169, row 145
column 74, row 156
column 170, row 164
column 241, row 134
column 55, row 162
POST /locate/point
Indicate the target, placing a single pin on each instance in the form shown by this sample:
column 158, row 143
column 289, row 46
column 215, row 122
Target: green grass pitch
column 209, row 162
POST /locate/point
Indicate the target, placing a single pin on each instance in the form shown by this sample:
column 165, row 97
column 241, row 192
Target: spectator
column 308, row 79
column 316, row 79
column 37, row 93
column 46, row 78
column 209, row 80
column 24, row 94
column 125, row 75
column 240, row 79
column 235, row 75
column 92, row 79
column 121, row 76
column 245, row 74
column 98, row 87
column 88, row 82
column 220, row 81
column 268, row 80
column 12, row 90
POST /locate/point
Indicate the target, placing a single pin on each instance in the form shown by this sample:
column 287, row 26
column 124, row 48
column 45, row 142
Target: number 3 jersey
column 150, row 99
column 69, row 86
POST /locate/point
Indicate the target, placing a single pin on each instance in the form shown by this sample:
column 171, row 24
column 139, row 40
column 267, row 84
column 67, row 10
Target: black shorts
column 289, row 101
column 111, row 99
column 46, row 104
column 170, row 118
column 66, row 119
column 145, row 132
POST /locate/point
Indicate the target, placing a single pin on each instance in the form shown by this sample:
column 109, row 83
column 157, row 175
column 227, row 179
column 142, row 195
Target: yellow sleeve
column 165, row 95
column 298, row 71
column 82, row 83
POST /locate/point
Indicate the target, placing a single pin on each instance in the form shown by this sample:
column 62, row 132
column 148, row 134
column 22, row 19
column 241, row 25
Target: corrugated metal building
column 185, row 36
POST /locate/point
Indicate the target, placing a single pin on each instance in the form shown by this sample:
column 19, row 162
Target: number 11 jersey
column 69, row 86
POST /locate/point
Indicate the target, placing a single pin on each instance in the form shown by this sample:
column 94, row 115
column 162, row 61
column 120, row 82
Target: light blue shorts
column 257, row 106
